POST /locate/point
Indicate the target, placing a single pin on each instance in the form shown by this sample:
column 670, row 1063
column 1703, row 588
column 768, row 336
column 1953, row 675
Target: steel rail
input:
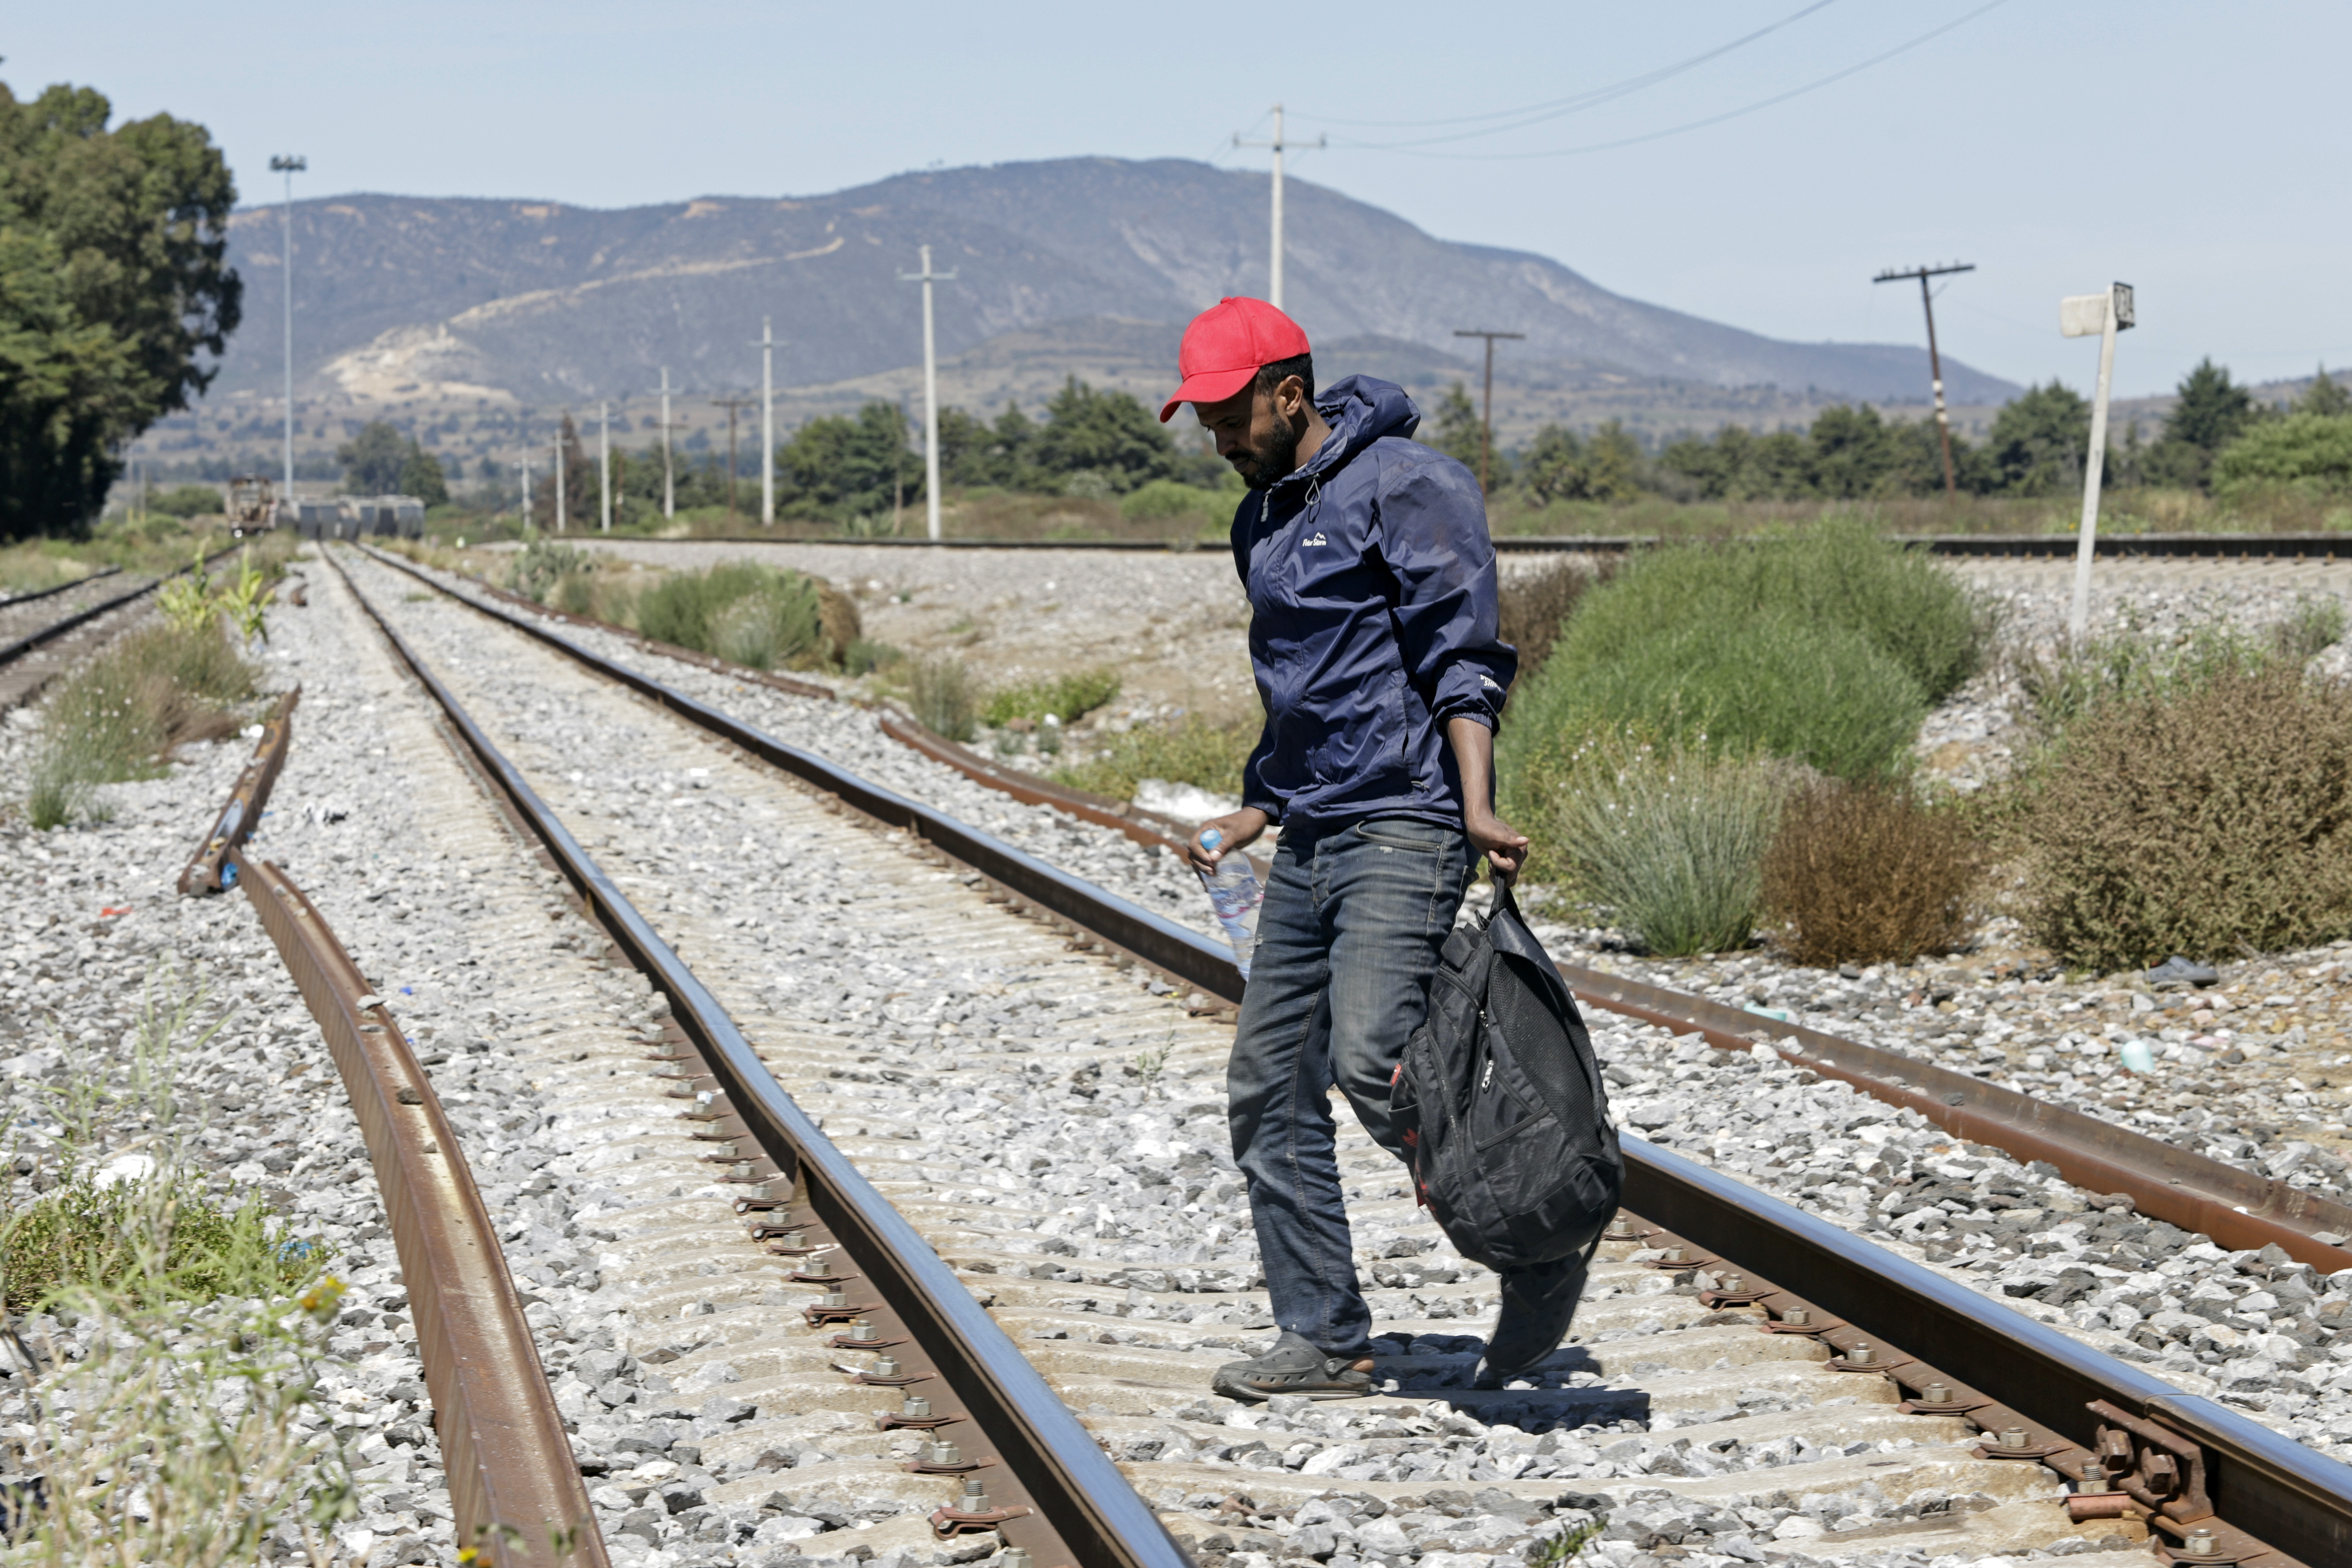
column 2191, row 546
column 1185, row 955
column 1089, row 1513
column 210, row 869
column 1142, row 827
column 2273, row 1490
column 2237, row 1208
column 514, row 1486
column 12, row 601
column 11, row 652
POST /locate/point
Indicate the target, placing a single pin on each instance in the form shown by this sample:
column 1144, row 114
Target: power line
column 1589, row 99
column 1778, row 98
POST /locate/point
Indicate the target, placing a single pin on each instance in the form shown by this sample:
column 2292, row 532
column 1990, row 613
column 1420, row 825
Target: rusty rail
column 513, row 1483
column 2237, row 1208
column 2038, row 1395
column 1053, row 1491
column 210, row 869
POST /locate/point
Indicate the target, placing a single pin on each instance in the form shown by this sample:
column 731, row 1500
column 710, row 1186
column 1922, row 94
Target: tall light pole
column 288, row 165
column 930, row 393
column 767, row 423
column 604, row 467
column 1274, row 271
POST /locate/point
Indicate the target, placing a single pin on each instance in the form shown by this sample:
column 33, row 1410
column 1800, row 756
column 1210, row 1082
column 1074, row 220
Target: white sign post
column 2082, row 316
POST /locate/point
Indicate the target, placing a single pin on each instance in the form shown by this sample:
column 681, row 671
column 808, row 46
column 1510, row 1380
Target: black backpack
column 1502, row 1106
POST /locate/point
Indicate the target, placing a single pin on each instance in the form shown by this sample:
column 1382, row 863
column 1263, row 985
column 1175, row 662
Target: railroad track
column 2028, row 547
column 2025, row 1385
column 40, row 639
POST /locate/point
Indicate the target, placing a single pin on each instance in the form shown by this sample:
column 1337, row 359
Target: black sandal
column 1294, row 1366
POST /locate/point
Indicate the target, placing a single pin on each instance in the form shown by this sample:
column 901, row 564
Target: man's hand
column 1504, row 847
column 1240, row 829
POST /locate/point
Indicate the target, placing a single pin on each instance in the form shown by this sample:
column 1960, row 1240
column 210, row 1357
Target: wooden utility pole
column 930, row 393
column 731, row 404
column 1935, row 361
column 1486, row 408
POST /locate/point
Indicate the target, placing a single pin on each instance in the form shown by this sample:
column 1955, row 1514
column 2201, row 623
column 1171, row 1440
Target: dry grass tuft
column 2213, row 821
column 1860, row 873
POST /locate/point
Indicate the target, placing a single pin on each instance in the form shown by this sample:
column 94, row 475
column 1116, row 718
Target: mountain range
column 1074, row 266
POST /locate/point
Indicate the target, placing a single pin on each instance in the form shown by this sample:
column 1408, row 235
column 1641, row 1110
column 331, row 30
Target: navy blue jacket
column 1372, row 587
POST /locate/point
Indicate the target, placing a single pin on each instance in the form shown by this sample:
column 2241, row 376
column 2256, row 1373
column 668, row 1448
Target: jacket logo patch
column 1318, row 539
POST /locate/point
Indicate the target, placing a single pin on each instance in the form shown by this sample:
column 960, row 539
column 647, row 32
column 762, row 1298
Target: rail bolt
column 818, row 1266
column 1797, row 1315
column 915, row 1405
column 861, row 1330
column 1733, row 1283
column 835, row 1297
column 946, row 1454
column 2012, row 1437
column 1678, row 1255
column 2199, row 1543
column 1936, row 1393
column 1015, row 1557
column 886, row 1366
column 1862, row 1355
column 790, row 1240
column 975, row 1496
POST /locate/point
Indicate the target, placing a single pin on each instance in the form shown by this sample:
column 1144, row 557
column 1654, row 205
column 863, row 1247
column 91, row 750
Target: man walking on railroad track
column 1372, row 631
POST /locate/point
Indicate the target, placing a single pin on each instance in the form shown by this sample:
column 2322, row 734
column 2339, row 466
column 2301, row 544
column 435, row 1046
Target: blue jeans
column 1346, row 940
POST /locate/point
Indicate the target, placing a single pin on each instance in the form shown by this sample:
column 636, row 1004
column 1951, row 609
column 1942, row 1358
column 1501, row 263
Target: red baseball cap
column 1224, row 346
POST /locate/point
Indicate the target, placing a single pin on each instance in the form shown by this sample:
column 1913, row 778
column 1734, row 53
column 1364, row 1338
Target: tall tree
column 373, row 460
column 1105, row 434
column 1461, row 435
column 115, row 296
column 2324, row 395
column 2209, row 412
column 421, row 475
column 2039, row 441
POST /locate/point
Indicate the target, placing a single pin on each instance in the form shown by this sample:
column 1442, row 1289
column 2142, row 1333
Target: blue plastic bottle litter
column 1234, row 894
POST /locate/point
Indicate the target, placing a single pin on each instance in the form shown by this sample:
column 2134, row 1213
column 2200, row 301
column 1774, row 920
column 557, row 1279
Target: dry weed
column 1865, row 872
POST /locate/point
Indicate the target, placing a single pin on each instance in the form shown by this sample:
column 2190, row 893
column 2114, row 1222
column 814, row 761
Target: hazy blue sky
column 2195, row 150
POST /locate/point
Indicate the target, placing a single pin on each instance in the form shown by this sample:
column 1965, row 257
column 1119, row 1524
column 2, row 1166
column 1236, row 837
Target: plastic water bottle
column 1234, row 894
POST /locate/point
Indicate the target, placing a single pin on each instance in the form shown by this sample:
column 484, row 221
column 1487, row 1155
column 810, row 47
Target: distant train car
column 389, row 517
column 316, row 519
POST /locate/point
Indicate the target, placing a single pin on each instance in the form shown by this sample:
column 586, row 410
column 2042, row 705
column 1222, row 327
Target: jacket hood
column 1361, row 410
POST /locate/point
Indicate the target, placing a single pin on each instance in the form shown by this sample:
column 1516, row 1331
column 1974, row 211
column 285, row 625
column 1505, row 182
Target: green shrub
column 540, row 564
column 1825, row 647
column 1068, row 697
column 2130, row 663
column 864, row 655
column 187, row 502
column 1864, row 873
column 943, row 696
column 1669, row 839
column 2310, row 454
column 160, row 1239
column 119, row 716
column 1191, row 752
column 1171, row 497
column 2205, row 819
column 1533, row 606
column 2314, row 625
column 739, row 610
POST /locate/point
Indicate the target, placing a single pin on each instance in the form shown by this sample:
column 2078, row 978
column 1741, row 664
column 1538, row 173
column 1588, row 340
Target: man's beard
column 1276, row 456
